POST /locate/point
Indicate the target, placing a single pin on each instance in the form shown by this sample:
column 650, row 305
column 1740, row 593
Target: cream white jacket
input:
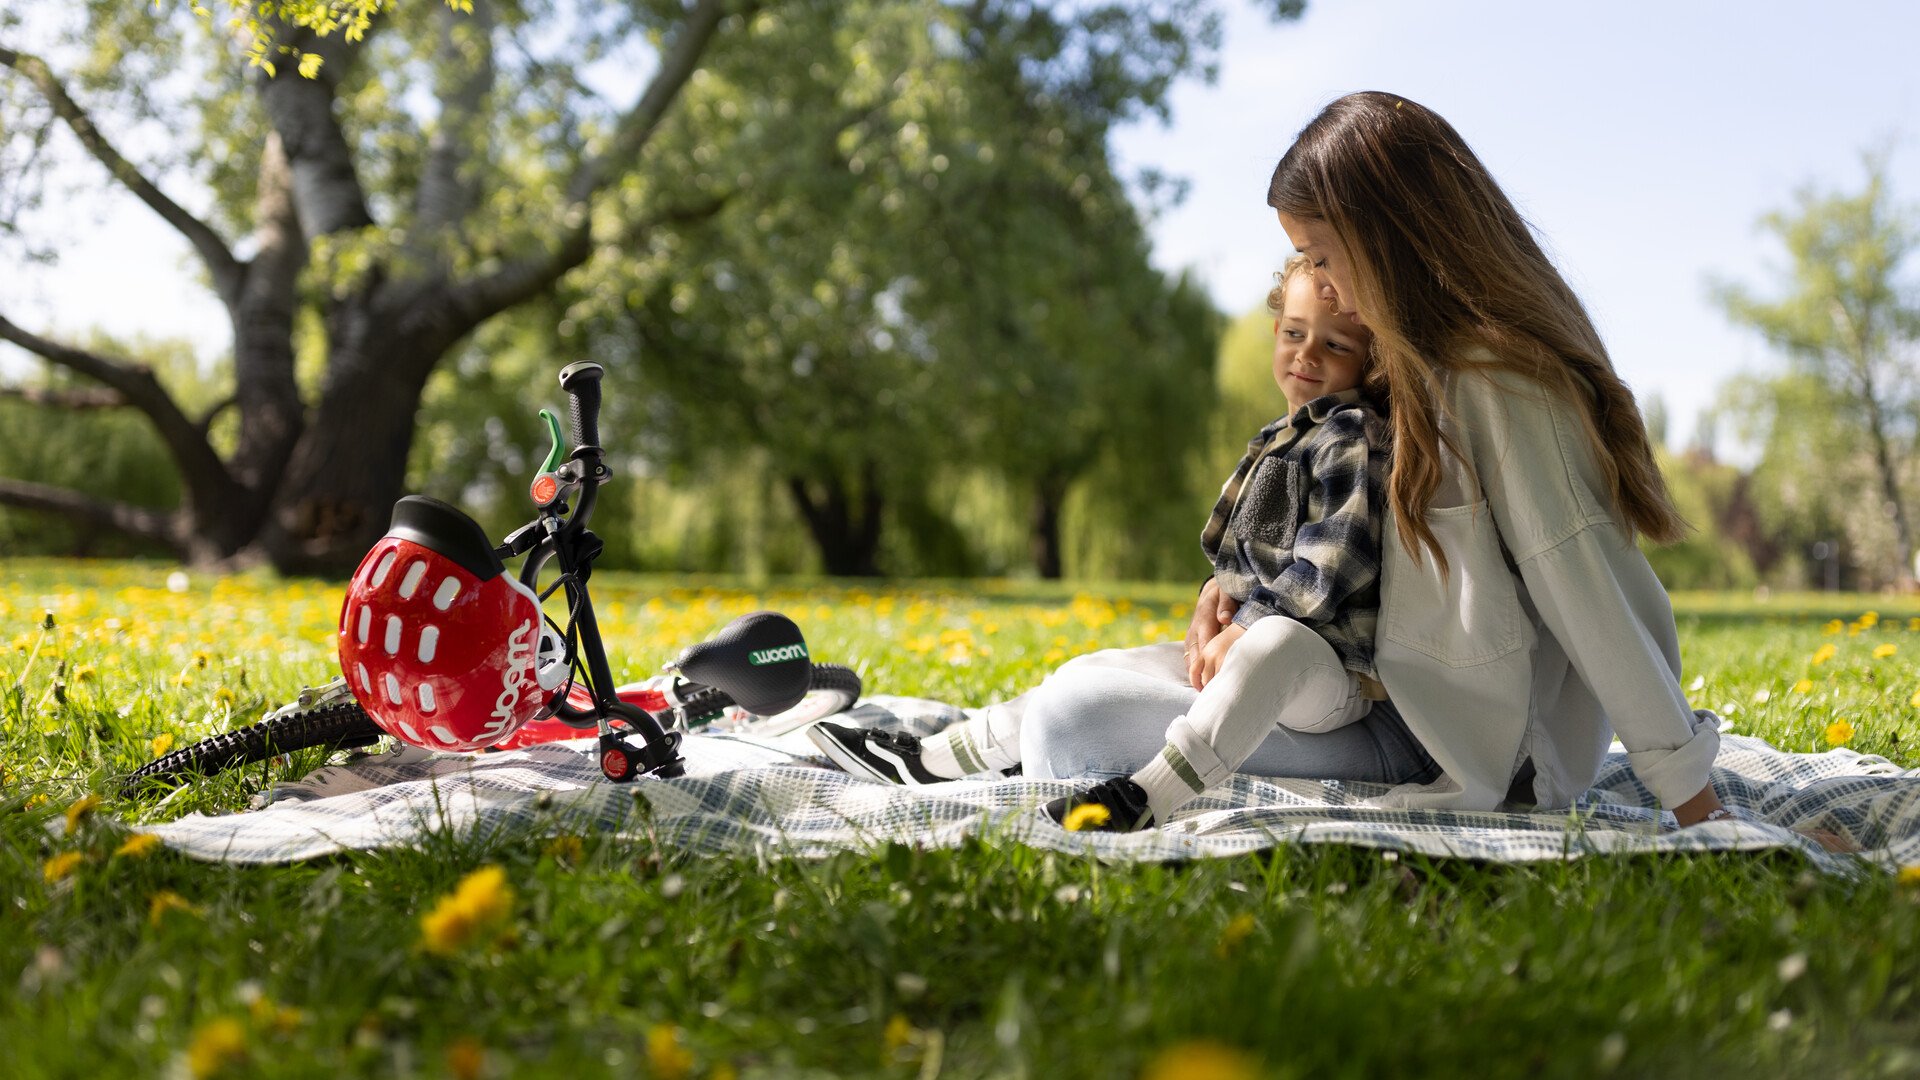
column 1551, row 632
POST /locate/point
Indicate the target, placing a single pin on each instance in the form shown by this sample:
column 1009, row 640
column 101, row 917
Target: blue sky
column 1642, row 140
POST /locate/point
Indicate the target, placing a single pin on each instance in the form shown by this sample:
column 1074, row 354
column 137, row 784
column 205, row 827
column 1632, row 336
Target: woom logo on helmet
column 513, row 679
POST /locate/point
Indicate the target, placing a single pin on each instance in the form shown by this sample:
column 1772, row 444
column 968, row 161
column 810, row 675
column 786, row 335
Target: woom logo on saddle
column 779, row 655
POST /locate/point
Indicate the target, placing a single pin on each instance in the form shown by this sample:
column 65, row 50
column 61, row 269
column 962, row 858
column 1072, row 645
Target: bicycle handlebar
column 581, row 381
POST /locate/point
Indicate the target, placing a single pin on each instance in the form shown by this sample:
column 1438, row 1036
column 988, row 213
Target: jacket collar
column 1317, row 410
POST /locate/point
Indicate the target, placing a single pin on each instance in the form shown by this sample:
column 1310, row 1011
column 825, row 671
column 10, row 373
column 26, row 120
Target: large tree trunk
column 846, row 528
column 1043, row 537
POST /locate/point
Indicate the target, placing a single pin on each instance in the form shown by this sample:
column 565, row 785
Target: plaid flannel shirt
column 1297, row 530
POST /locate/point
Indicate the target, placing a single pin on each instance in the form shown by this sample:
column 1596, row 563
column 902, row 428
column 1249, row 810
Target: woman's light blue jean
column 1106, row 714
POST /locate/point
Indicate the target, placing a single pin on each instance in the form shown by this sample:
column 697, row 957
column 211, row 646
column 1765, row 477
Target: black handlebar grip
column 581, row 381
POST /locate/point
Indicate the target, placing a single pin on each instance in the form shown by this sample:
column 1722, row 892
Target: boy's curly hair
column 1295, row 266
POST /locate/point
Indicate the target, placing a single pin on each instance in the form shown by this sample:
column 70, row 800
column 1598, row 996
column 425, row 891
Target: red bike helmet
column 442, row 647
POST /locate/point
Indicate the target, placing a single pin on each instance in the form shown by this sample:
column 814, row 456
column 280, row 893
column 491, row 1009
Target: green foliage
column 1840, row 428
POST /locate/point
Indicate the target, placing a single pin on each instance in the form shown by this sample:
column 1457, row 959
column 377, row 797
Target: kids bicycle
column 442, row 647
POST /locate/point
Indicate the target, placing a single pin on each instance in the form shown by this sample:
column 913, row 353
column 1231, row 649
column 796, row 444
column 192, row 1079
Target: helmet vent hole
column 366, row 683
column 386, row 565
column 443, row 596
column 411, row 582
column 393, row 688
column 393, row 635
column 443, row 734
column 426, row 698
column 429, row 641
column 366, row 623
column 412, row 735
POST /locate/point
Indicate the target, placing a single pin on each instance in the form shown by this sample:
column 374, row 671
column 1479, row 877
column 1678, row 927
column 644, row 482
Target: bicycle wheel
column 342, row 725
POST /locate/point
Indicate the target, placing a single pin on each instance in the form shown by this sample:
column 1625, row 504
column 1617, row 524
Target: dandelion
column 281, row 1018
column 1236, row 931
column 58, row 867
column 1085, row 816
column 665, row 1054
column 1833, row 627
column 899, row 1033
column 1824, row 653
column 79, row 810
column 479, row 903
column 1839, row 733
column 1881, row 652
column 1868, row 620
column 1915, row 699
column 1909, row 876
column 1804, row 686
column 39, row 799
column 137, row 846
column 566, row 849
column 161, row 743
column 220, row 1043
column 83, row 673
column 466, row 1058
column 1913, row 625
column 164, row 901
column 1200, row 1060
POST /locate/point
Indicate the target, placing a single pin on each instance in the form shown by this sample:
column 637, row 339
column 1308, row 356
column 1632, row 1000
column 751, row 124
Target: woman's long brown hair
column 1442, row 261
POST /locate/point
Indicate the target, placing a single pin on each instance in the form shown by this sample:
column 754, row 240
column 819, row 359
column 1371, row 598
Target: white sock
column 973, row 746
column 1169, row 781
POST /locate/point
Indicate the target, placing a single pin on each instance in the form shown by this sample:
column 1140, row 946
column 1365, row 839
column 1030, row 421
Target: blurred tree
column 935, row 266
column 1850, row 401
column 449, row 169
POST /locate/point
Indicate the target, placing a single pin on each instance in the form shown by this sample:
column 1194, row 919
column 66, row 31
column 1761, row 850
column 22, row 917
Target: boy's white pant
column 1279, row 672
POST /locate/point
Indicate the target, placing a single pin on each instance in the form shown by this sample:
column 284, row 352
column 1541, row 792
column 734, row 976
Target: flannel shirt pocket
column 1269, row 509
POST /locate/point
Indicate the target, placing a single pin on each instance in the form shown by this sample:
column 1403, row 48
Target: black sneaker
column 1124, row 801
column 890, row 757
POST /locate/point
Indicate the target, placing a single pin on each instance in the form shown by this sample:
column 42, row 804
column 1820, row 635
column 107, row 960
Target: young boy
column 1295, row 538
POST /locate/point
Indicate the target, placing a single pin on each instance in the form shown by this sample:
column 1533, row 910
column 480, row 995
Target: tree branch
column 527, row 277
column 326, row 187
column 143, row 522
column 200, row 467
column 214, row 252
column 465, row 78
column 77, row 399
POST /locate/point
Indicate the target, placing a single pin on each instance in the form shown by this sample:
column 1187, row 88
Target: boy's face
column 1316, row 352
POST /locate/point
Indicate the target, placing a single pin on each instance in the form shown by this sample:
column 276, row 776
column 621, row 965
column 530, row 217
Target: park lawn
column 587, row 956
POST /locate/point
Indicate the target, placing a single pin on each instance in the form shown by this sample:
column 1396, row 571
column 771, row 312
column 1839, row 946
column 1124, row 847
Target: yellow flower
column 1909, row 876
column 1200, row 1060
column 1868, row 620
column 1839, row 733
column 1881, row 652
column 1914, row 624
column 281, row 1018
column 83, row 673
column 164, row 901
column 162, row 743
column 666, row 1057
column 61, row 865
column 1915, row 699
column 1086, row 815
column 220, row 1043
column 565, row 848
column 478, row 904
column 899, row 1033
column 35, row 801
column 1833, row 627
column 79, row 810
column 138, row 845
column 466, row 1058
column 1824, row 653
column 1804, row 686
column 1233, row 934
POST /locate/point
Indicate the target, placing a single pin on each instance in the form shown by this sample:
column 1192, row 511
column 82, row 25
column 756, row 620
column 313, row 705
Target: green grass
column 986, row 961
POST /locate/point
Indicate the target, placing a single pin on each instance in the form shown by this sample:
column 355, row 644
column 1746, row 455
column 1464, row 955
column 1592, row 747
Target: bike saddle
column 759, row 660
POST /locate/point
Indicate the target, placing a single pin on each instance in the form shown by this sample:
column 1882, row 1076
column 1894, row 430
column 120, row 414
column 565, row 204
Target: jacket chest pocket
column 1269, row 505
column 1470, row 617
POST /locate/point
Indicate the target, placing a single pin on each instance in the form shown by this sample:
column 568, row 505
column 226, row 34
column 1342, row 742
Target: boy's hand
column 1211, row 612
column 1214, row 655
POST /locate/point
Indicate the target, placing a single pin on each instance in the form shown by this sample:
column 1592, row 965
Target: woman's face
column 1331, row 274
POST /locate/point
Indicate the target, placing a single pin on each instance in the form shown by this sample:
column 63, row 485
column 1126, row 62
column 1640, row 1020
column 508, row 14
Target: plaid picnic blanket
column 744, row 793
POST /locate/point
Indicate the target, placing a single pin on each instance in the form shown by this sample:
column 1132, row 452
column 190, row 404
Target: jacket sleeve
column 1336, row 554
column 1593, row 589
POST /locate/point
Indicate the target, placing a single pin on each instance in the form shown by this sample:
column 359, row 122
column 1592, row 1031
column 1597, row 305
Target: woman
column 1520, row 627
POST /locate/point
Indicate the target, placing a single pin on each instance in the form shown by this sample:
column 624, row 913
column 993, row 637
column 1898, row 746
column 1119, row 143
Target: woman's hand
column 1214, row 653
column 1696, row 809
column 1212, row 612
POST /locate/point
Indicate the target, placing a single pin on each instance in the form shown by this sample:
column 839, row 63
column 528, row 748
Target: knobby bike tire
column 344, row 725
